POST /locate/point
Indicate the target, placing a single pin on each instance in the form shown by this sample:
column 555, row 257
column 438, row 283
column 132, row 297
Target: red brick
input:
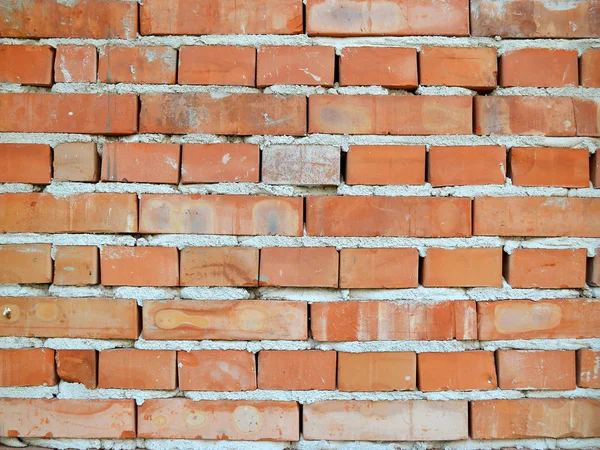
column 549, row 116
column 390, row 67
column 26, row 64
column 221, row 17
column 595, row 169
column 25, row 163
column 221, row 214
column 473, row 68
column 215, row 163
column 465, row 320
column 522, row 68
column 379, row 268
column 78, row 366
column 139, row 266
column 77, row 161
column 75, row 64
column 593, row 270
column 462, row 267
column 206, row 65
column 296, row 370
column 156, row 65
column 587, row 116
column 182, row 418
column 542, row 166
column 219, row 266
column 25, row 263
column 531, row 369
column 384, row 114
column 388, row 216
column 544, row 319
column 387, row 17
column 457, row 371
column 237, row 114
column 109, row 114
column 546, row 268
column 76, row 265
column 128, row 368
column 301, row 164
column 536, row 216
column 589, row 63
column 588, row 368
column 216, row 370
column 350, row 420
column 284, row 64
column 226, row 320
column 535, row 417
column 385, row 164
column 143, row 163
column 466, row 165
column 299, row 266
column 27, row 367
column 377, row 371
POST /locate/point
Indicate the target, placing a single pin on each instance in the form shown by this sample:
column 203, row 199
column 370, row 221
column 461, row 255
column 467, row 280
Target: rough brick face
column 460, row 166
column 137, row 369
column 379, row 267
column 301, row 164
column 78, row 366
column 216, row 370
column 137, row 65
column 377, row 371
column 75, row 64
column 145, row 163
column 26, row 64
column 25, row 263
column 25, row 163
column 213, row 163
column 77, row 161
column 589, row 74
column 385, row 164
column 389, row 67
column 588, row 372
column 311, row 66
column 466, row 267
column 27, row 367
column 521, row 68
column 298, row 370
column 458, row 371
column 219, row 266
column 561, row 167
column 311, row 267
column 76, row 265
column 139, row 266
column 206, row 65
column 530, row 369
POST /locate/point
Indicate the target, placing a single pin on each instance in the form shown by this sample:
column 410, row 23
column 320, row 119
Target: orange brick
column 544, row 319
column 595, row 169
column 25, row 163
column 522, row 68
column 588, row 368
column 379, row 371
column 26, row 64
column 388, row 216
column 216, row 370
column 76, row 265
column 466, row 165
column 546, row 268
column 379, row 268
column 78, row 366
column 531, row 369
column 77, row 161
column 139, row 162
column 311, row 66
column 299, row 266
column 156, row 65
column 385, row 164
column 589, row 63
column 181, row 418
column 541, row 166
column 25, row 263
column 139, row 266
column 128, row 368
column 214, row 163
column 27, row 367
column 465, row 320
column 296, row 370
column 307, row 165
column 390, row 67
column 206, row 65
column 587, row 116
column 463, row 267
column 389, row 114
column 219, row 266
column 457, row 371
column 75, row 64
column 227, row 320
column 593, row 270
column 473, row 68
column 221, row 214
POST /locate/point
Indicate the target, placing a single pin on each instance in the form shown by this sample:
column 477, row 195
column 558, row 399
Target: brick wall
column 263, row 220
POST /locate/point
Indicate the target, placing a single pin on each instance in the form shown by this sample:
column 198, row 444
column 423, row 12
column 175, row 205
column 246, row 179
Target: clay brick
column 531, row 369
column 109, row 114
column 546, row 268
column 587, row 116
column 548, row 116
column 219, row 266
column 465, row 320
column 595, row 169
column 395, row 114
column 221, row 214
column 535, row 417
column 536, row 216
column 140, row 162
column 544, row 319
column 26, row 64
column 75, row 64
column 593, row 270
column 388, row 216
column 349, row 420
column 299, row 266
column 308, row 165
column 390, row 67
column 76, row 265
column 379, row 268
column 215, row 163
column 466, row 165
column 27, row 367
column 216, row 370
column 237, row 114
column 128, row 368
column 589, row 63
column 378, row 371
column 462, row 267
column 25, row 263
column 541, row 166
column 296, row 370
column 387, row 18
column 63, row 418
column 473, row 68
column 385, row 164
column 139, row 266
column 227, row 320
column 221, row 17
column 77, row 161
column 180, row 418
column 206, row 65
column 588, row 368
column 156, row 65
column 94, row 318
column 457, row 371
column 311, row 66
column 522, row 68
column 78, row 366
column 25, row 163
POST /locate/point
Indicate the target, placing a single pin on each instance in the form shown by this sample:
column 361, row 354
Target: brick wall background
column 280, row 225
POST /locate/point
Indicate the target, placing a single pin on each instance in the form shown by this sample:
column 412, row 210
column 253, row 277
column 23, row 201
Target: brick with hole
column 522, row 68
column 546, row 268
column 587, row 116
column 379, row 268
column 457, row 371
column 297, row 369
column 78, row 366
column 543, row 166
column 215, row 163
column 76, row 265
column 27, row 367
column 128, row 368
column 377, row 371
column 308, row 165
column 299, row 266
column 76, row 161
column 25, row 163
column 536, row 369
column 466, row 165
column 139, row 266
column 206, row 65
column 589, row 63
column 75, row 64
column 26, row 64
column 462, row 267
column 25, row 263
column 216, row 370
column 156, row 65
column 385, row 164
column 310, row 65
column 588, row 368
column 141, row 162
column 219, row 266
